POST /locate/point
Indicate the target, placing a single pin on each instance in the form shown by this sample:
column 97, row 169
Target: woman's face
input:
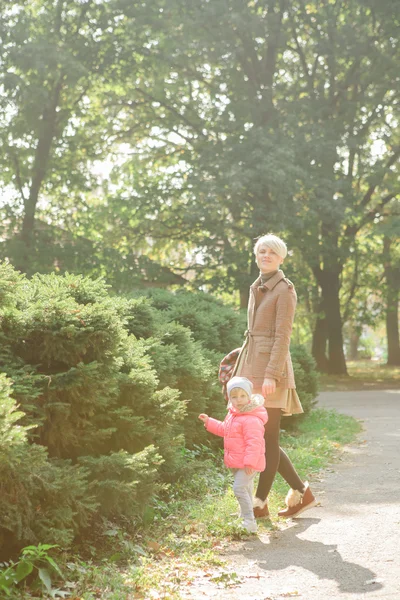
column 267, row 259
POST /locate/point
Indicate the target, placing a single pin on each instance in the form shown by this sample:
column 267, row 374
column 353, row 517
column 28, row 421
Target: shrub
column 109, row 390
column 99, row 433
column 306, row 378
column 39, row 499
column 217, row 326
column 122, row 482
column 11, row 283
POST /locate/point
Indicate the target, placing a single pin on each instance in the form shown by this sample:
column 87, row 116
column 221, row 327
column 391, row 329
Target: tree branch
column 352, row 230
column 309, row 76
column 367, row 197
column 174, row 111
column 17, row 174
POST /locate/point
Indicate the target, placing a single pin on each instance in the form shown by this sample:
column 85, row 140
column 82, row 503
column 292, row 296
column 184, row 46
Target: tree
column 283, row 120
column 197, row 181
column 346, row 88
column 391, row 263
column 56, row 58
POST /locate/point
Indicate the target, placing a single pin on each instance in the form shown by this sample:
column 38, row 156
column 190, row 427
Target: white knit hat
column 240, row 382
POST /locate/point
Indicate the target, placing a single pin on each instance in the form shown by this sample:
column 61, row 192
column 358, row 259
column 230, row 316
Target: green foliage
column 139, row 315
column 366, row 348
column 123, row 483
column 109, row 391
column 188, row 335
column 10, row 283
column 98, row 434
column 57, row 60
column 36, row 561
column 216, row 325
column 306, row 378
column 104, row 385
column 39, row 499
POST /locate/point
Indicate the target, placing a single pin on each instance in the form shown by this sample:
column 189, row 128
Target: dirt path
column 346, row 548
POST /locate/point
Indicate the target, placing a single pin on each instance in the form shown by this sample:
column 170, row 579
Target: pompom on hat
column 240, row 382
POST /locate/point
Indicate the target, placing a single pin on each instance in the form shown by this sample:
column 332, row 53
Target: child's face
column 238, row 398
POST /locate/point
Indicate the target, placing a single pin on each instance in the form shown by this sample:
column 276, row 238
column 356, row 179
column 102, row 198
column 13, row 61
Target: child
column 244, row 445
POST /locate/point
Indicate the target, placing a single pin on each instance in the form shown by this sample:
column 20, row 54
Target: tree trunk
column 39, row 170
column 244, row 297
column 319, row 342
column 245, row 282
column 392, row 332
column 354, row 341
column 392, row 275
column 329, row 282
column 336, row 359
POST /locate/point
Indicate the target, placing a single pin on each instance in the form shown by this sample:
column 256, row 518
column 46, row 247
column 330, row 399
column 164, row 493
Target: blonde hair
column 273, row 242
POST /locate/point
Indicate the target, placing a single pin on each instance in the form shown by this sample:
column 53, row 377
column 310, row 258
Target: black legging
column 277, row 459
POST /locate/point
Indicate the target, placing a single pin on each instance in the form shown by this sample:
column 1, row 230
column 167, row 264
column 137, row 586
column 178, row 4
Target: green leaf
column 24, row 568
column 139, row 550
column 115, row 557
column 45, row 579
column 55, row 566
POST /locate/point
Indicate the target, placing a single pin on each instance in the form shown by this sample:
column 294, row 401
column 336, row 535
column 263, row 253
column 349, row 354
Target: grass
column 363, row 375
column 190, row 529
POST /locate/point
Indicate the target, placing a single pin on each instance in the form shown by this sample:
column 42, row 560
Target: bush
column 306, row 378
column 366, row 348
column 39, row 499
column 217, row 326
column 109, row 390
column 182, row 358
column 99, row 433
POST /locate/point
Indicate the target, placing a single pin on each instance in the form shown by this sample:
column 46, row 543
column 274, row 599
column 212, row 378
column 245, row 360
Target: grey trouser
column 243, row 490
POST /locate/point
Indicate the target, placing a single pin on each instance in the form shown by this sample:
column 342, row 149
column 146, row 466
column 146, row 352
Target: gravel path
column 346, row 548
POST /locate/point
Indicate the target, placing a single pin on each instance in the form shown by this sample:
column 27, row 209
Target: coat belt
column 249, row 340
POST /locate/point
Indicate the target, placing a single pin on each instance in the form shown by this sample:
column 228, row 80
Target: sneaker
column 297, row 502
column 260, row 508
column 250, row 526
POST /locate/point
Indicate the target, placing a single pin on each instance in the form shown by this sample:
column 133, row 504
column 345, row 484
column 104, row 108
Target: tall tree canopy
column 270, row 116
column 58, row 60
column 223, row 120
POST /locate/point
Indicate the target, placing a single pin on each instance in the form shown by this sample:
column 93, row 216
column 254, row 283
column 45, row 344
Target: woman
column 265, row 360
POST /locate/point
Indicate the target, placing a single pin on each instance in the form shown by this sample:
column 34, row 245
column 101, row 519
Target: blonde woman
column 265, row 360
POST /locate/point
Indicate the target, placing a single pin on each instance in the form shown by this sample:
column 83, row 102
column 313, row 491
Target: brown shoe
column 260, row 508
column 297, row 502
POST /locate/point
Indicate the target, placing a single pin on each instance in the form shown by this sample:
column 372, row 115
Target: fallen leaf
column 155, row 546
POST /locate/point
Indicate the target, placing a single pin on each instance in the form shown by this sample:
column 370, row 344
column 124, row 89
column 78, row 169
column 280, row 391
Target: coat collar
column 271, row 283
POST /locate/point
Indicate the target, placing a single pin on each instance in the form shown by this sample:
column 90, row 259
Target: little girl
column 244, row 445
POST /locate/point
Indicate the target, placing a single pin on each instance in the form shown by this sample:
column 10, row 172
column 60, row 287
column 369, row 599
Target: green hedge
column 98, row 397
column 307, row 379
column 218, row 327
column 40, row 499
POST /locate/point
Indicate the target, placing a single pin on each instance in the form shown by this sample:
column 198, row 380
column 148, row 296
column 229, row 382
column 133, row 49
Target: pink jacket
column 243, row 433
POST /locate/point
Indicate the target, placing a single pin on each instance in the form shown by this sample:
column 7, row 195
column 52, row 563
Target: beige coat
column 266, row 350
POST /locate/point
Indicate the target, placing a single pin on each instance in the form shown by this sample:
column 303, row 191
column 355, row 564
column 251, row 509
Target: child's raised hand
column 203, row 418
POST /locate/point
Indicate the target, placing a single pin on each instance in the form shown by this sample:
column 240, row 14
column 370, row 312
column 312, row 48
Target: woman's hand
column 204, row 418
column 249, row 470
column 268, row 387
